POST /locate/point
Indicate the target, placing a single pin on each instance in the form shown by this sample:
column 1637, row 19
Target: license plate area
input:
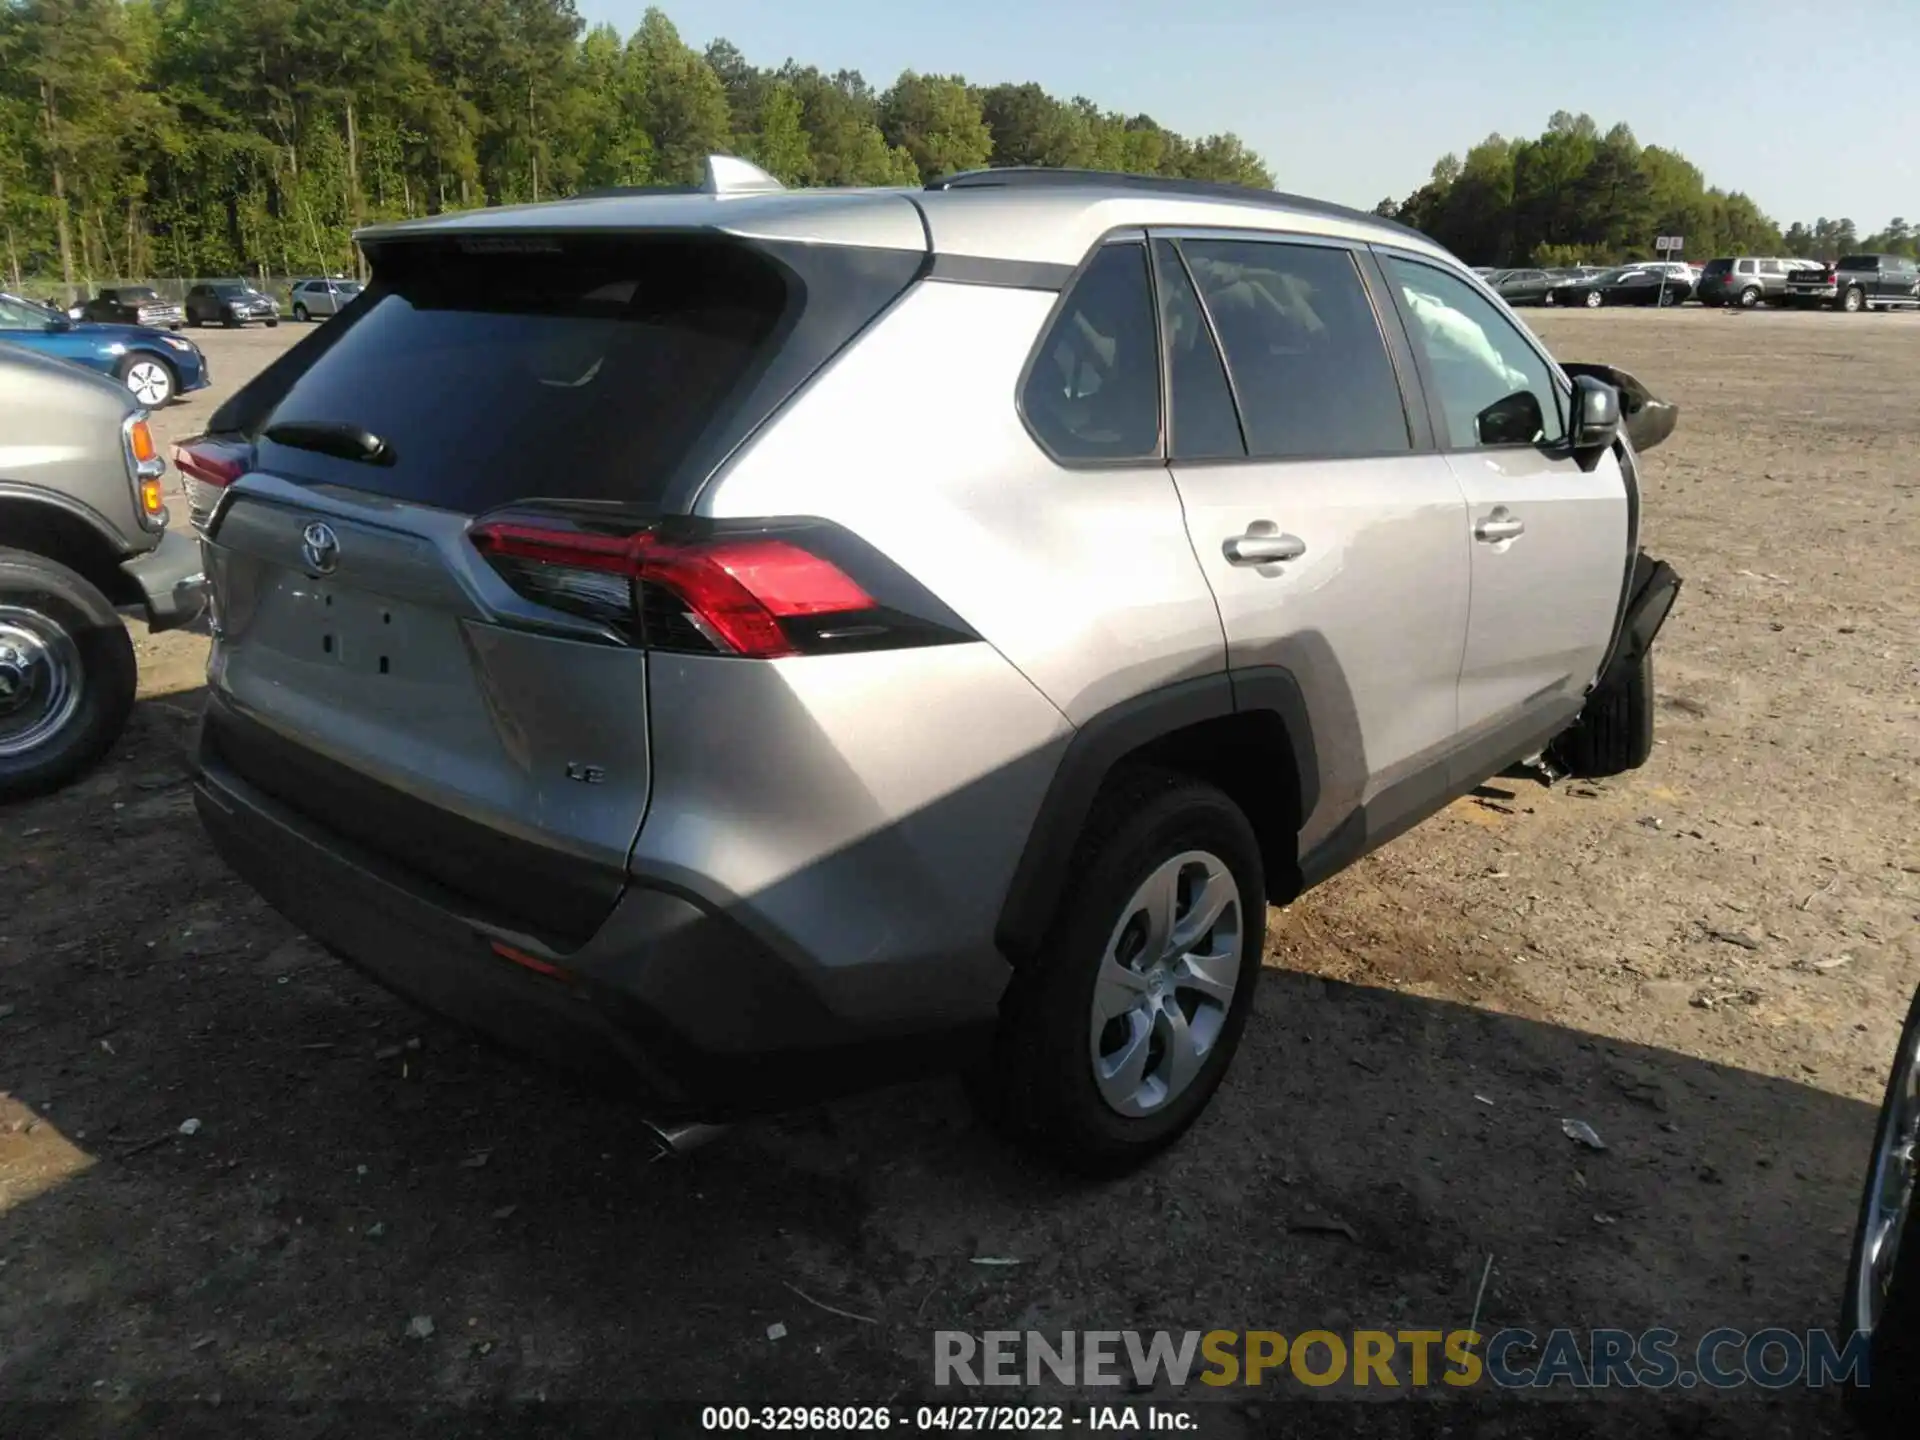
column 363, row 635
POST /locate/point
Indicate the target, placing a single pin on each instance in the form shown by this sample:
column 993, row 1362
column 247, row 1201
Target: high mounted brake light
column 760, row 595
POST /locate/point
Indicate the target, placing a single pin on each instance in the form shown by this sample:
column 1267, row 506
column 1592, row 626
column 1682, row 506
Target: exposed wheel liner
column 1105, row 741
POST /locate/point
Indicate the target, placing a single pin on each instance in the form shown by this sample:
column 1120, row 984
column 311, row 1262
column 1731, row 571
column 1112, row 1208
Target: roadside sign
column 1670, row 246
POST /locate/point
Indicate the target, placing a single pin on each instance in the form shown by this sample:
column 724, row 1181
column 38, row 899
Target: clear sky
column 1800, row 104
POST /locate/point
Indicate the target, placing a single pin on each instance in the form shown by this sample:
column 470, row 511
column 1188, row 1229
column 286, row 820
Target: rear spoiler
column 1645, row 420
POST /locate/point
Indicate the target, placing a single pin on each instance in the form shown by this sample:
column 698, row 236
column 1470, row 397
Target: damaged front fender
column 1645, row 419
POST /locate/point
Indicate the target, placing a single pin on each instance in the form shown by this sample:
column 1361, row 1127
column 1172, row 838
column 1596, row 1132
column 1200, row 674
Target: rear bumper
column 672, row 1001
column 172, row 581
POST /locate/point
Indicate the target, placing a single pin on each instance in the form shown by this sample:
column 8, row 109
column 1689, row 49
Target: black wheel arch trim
column 1107, row 740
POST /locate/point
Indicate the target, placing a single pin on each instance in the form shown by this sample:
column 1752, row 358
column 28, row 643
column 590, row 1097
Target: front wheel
column 149, row 378
column 1115, row 1034
column 1592, row 301
column 1614, row 731
column 273, row 323
column 1883, row 1274
column 67, row 674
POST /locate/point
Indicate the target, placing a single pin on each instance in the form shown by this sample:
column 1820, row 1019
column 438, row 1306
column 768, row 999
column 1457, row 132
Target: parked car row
column 155, row 365
column 214, row 302
column 1854, row 283
column 1858, row 282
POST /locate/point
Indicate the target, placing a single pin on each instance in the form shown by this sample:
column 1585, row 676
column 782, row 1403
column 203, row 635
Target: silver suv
column 761, row 643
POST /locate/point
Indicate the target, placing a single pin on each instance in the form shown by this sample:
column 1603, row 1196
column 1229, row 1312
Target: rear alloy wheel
column 300, row 314
column 1883, row 1275
column 1749, row 298
column 67, row 674
column 149, row 378
column 1116, row 1032
column 1854, row 301
column 1593, row 300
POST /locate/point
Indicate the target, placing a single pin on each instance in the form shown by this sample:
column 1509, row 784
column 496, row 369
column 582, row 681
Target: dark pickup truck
column 1858, row 282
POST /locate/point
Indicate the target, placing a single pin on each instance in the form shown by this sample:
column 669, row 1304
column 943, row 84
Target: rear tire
column 1593, row 300
column 1058, row 1081
column 1614, row 732
column 1885, row 1406
column 300, row 314
column 1854, row 301
column 1749, row 298
column 67, row 675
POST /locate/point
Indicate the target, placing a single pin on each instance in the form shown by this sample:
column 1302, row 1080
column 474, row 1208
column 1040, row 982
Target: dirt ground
column 1707, row 961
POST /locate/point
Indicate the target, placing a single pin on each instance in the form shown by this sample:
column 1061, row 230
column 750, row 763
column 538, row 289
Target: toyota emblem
column 320, row 548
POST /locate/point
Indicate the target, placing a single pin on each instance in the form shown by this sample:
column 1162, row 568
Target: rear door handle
column 1255, row 548
column 1499, row 526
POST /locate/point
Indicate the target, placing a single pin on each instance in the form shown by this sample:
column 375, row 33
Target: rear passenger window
column 1304, row 352
column 1205, row 426
column 1494, row 388
column 1093, row 392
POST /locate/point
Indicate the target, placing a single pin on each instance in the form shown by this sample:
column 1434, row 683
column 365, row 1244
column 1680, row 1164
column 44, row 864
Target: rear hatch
column 480, row 720
column 1716, row 275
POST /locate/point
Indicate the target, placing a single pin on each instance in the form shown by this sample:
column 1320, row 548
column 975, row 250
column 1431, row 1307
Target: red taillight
column 734, row 592
column 208, row 466
column 213, row 462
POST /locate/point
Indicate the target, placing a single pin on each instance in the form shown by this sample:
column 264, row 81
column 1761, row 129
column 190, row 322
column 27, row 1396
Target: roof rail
column 722, row 175
column 1043, row 176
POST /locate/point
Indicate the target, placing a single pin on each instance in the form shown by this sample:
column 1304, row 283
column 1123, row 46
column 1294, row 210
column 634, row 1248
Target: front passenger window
column 1093, row 391
column 1494, row 388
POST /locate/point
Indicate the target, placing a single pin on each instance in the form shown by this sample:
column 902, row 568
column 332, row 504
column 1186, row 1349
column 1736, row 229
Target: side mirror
column 1596, row 419
column 1645, row 420
column 1513, row 419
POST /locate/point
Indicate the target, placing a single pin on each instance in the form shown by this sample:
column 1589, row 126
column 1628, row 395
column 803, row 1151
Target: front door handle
column 1499, row 526
column 1256, row 548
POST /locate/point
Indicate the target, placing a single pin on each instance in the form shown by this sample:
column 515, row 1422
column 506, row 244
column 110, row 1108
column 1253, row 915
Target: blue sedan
column 154, row 365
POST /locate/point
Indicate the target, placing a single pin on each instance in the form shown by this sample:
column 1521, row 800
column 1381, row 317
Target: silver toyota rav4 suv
column 763, row 643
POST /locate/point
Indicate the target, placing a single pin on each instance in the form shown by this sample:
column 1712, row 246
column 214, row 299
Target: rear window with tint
column 586, row 371
column 1717, row 267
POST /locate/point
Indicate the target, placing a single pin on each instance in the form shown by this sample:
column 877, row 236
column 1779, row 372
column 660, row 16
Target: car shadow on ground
column 379, row 1224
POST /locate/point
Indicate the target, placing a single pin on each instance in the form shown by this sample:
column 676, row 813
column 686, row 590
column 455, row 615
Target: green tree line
column 1576, row 195
column 205, row 137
